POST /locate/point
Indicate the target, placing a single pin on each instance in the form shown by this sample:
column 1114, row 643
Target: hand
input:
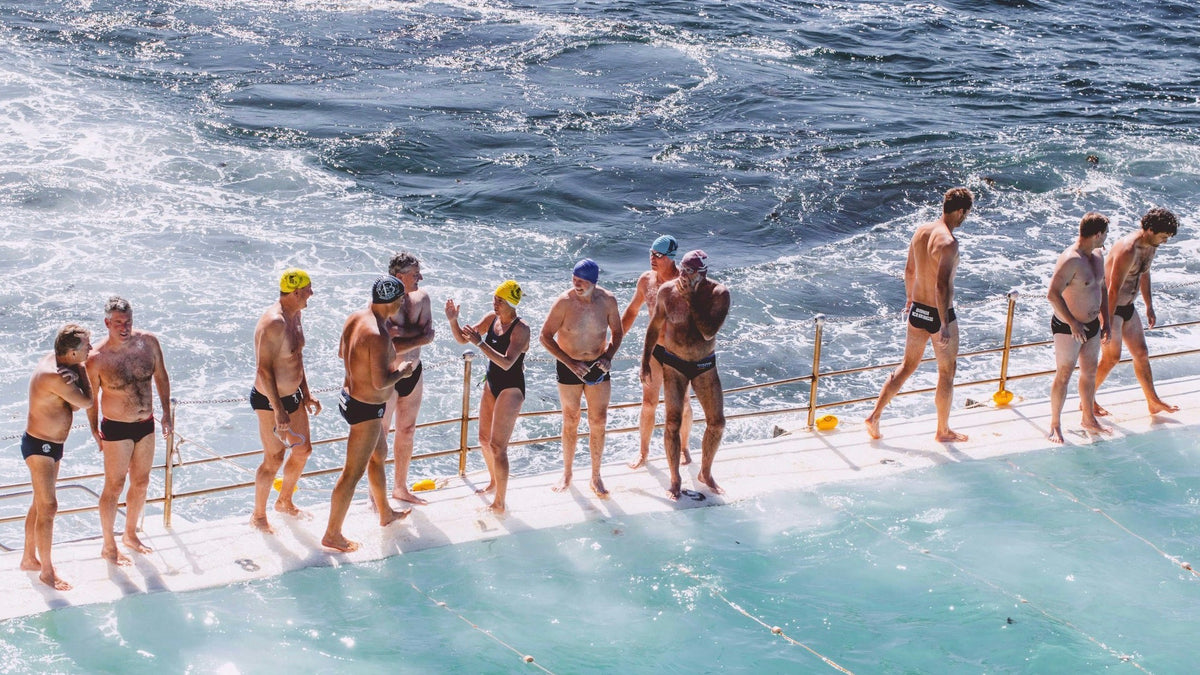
column 579, row 368
column 1151, row 319
column 1105, row 334
column 394, row 329
column 312, row 405
column 167, row 427
column 283, row 421
column 1078, row 331
column 942, row 337
column 68, row 374
column 99, row 437
column 472, row 335
column 451, row 310
column 405, row 368
column 604, row 364
column 685, row 284
column 645, row 372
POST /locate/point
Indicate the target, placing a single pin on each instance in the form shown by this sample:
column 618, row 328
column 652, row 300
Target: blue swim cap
column 587, row 269
column 665, row 245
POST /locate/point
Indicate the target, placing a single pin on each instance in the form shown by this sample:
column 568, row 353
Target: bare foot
column 1097, row 410
column 1160, row 406
column 290, row 509
column 674, row 490
column 31, row 564
column 392, row 516
column 872, row 428
column 712, row 484
column 131, row 540
column 562, row 485
column 685, row 457
column 599, row 489
column 339, row 544
column 406, row 496
column 260, row 523
column 496, row 509
column 115, row 557
column 1055, row 435
column 1095, row 427
column 638, row 463
column 490, row 487
column 51, row 579
column 950, row 436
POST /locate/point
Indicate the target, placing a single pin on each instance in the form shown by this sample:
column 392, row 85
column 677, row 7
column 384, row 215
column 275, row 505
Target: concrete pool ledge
column 196, row 555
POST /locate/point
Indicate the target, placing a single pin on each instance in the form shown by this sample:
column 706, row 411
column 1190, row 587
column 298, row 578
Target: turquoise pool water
column 1059, row 561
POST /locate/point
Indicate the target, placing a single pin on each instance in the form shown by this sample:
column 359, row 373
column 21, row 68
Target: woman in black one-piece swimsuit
column 503, row 338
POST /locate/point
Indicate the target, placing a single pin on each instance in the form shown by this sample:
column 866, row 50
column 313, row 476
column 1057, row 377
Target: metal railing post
column 1008, row 329
column 812, row 388
column 169, row 478
column 466, row 412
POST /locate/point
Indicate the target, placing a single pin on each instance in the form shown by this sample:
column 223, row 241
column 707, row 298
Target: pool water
column 1061, row 561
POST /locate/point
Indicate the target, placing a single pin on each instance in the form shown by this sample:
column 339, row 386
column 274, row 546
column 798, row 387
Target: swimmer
column 682, row 337
column 280, row 397
column 1127, row 270
column 503, row 338
column 1080, row 322
column 121, row 369
column 662, row 270
column 59, row 386
column 929, row 304
column 372, row 371
column 576, row 332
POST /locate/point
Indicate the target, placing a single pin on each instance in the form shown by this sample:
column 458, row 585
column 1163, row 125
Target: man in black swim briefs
column 124, row 369
column 576, row 332
column 411, row 328
column 1080, row 322
column 929, row 294
column 372, row 371
column 1127, row 269
column 283, row 418
column 682, row 336
column 59, row 386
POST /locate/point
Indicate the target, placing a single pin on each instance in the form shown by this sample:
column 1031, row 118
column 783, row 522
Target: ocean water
column 181, row 154
column 1064, row 561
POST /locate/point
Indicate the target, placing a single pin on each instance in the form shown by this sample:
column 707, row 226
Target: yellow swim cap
column 509, row 292
column 293, row 278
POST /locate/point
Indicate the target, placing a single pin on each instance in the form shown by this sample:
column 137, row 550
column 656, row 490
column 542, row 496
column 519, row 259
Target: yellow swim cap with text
column 509, row 292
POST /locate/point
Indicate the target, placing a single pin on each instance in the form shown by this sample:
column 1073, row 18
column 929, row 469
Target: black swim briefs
column 112, row 430
column 32, row 446
column 291, row 404
column 926, row 318
column 690, row 369
column 594, row 376
column 355, row 411
column 1090, row 329
column 1124, row 311
column 406, row 385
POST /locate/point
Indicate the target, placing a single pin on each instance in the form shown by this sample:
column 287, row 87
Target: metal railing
column 464, row 419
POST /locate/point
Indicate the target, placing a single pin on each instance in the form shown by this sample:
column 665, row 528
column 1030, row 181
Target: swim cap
column 587, row 269
column 509, row 292
column 386, row 289
column 293, row 279
column 695, row 261
column 665, row 245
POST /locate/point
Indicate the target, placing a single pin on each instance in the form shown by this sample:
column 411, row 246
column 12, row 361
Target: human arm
column 946, row 253
column 93, row 410
column 658, row 318
column 518, row 344
column 635, row 304
column 162, row 382
column 418, row 333
column 615, row 327
column 1144, row 287
column 71, row 385
column 1064, row 272
column 709, row 316
column 268, row 343
column 550, row 328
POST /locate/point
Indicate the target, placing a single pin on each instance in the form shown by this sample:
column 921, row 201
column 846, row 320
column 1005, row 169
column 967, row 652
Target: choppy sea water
column 182, row 153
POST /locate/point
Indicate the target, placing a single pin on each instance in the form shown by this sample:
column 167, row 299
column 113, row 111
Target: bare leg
column 43, row 472
column 1110, row 356
column 1135, row 339
column 1066, row 353
column 947, row 362
column 135, row 499
column 650, row 393
column 1089, row 358
column 407, row 408
column 487, row 407
column 273, row 452
column 508, row 405
column 294, row 466
column 598, row 396
column 117, row 455
column 674, row 390
column 377, row 483
column 568, row 396
column 914, row 349
column 359, row 448
column 685, row 430
column 707, row 386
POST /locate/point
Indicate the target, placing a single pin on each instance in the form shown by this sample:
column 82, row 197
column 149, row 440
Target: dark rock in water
column 1092, row 159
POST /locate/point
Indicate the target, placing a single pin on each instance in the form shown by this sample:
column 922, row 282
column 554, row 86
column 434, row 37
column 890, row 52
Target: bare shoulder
column 607, row 296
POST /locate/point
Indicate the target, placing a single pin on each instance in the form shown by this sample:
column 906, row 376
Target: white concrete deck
column 201, row 555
